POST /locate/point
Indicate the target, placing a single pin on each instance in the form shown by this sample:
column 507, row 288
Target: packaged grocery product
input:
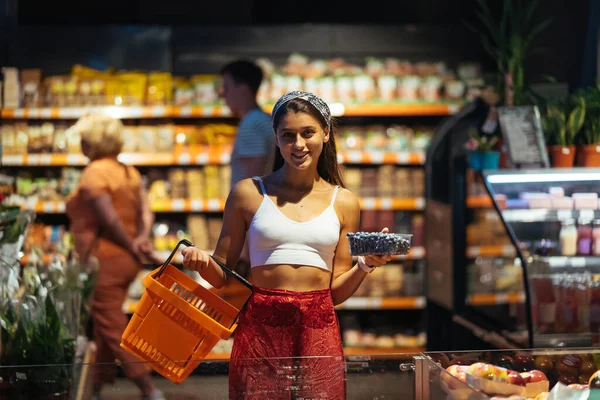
column 409, row 88
column 388, row 87
column 344, row 89
column 364, row 88
column 375, row 67
column 430, row 89
column 31, row 80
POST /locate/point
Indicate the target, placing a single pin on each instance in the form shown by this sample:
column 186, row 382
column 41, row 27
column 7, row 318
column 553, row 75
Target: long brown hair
column 327, row 166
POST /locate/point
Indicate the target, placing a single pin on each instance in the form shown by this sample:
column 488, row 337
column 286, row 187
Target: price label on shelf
column 501, row 298
column 562, row 215
column 12, row 160
column 420, row 302
column 508, row 250
column 369, row 203
column 586, row 214
column 403, row 158
column 184, row 159
column 578, row 262
column 202, row 159
column 376, row 157
column 19, row 113
column 208, row 111
column 46, row 113
column 363, row 303
column 33, row 159
column 61, row 207
column 197, row 205
column 74, row 159
column 386, row 203
column 225, row 158
column 420, row 203
column 185, row 111
column 48, row 207
column 355, row 157
column 178, row 205
column 45, row 159
column 214, row 205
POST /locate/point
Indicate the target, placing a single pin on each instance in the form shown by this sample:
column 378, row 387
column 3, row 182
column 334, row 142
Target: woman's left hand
column 375, row 261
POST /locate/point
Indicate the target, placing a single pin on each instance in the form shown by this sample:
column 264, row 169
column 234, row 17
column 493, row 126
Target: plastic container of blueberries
column 361, row 246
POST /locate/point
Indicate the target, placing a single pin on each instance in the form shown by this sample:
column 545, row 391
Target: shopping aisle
column 385, row 385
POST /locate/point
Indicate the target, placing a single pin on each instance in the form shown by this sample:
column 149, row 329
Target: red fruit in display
column 568, row 379
column 523, row 362
column 505, row 361
column 533, row 376
column 588, row 367
column 514, row 378
column 462, row 377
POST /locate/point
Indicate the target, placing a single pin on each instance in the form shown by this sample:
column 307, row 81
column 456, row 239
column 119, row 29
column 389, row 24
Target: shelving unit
column 198, row 156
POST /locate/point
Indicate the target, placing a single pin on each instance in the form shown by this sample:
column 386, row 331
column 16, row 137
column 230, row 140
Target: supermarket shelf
column 203, row 157
column 134, row 112
column 124, row 112
column 491, row 299
column 574, row 262
column 383, row 303
column 392, row 203
column 218, row 205
column 188, row 205
column 491, row 251
column 546, row 215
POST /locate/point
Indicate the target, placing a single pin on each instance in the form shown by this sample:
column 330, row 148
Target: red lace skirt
column 287, row 345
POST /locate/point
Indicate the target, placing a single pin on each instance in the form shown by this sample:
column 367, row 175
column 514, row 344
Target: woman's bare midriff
column 291, row 277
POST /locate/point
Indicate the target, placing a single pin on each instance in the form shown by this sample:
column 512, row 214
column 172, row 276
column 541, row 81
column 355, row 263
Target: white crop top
column 274, row 238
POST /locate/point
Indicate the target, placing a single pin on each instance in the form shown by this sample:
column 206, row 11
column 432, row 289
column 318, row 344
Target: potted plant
column 561, row 124
column 480, row 151
column 588, row 153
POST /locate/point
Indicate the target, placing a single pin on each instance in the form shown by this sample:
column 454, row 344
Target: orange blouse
column 122, row 183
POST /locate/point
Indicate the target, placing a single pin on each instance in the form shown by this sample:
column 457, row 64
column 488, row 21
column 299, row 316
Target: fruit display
column 520, row 375
column 362, row 243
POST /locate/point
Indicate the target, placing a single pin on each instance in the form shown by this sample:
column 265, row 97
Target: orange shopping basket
column 178, row 321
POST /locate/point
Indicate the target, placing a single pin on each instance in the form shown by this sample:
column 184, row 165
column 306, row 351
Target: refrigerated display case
column 552, row 217
column 468, row 375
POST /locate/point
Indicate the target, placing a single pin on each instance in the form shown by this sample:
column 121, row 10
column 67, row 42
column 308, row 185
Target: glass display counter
column 472, row 375
column 553, row 219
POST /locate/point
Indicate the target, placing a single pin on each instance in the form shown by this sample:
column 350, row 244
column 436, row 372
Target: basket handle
column 225, row 269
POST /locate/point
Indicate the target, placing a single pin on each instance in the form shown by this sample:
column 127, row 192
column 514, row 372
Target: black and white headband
column 313, row 99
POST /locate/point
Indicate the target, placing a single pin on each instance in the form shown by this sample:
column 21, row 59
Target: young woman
column 296, row 220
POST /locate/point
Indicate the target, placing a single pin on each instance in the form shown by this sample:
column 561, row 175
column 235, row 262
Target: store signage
column 522, row 131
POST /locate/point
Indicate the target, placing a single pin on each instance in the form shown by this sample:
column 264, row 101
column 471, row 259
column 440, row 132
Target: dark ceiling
column 241, row 11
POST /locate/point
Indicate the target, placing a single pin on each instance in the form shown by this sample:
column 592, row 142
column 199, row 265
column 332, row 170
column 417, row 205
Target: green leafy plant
column 480, row 143
column 508, row 41
column 562, row 122
column 590, row 134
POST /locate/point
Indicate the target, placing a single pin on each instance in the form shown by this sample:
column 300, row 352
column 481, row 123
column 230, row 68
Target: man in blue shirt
column 254, row 148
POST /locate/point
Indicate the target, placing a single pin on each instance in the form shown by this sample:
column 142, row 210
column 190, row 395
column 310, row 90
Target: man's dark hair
column 243, row 71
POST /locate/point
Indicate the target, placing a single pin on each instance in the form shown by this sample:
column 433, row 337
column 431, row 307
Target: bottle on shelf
column 584, row 237
column 596, row 237
column 568, row 238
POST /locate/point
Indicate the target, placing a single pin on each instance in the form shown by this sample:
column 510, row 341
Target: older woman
column 111, row 221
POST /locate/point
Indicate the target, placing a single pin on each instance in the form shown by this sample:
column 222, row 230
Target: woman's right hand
column 195, row 259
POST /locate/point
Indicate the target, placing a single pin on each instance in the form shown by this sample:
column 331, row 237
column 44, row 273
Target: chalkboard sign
column 522, row 131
